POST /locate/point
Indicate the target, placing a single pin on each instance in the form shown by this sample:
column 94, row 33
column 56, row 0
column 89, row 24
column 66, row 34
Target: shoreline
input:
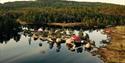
column 115, row 51
column 65, row 24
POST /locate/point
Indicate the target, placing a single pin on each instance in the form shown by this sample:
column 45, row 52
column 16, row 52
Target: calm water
column 24, row 49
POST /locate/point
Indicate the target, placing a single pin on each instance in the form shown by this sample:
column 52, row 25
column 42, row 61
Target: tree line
column 43, row 12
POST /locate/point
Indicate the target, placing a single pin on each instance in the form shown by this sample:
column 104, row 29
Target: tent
column 76, row 38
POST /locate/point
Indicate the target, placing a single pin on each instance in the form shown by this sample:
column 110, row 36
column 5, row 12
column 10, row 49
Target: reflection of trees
column 17, row 37
column 58, row 45
column 51, row 44
column 6, row 36
column 30, row 41
column 57, row 37
column 79, row 50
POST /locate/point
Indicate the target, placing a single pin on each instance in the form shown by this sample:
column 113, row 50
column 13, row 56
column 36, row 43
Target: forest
column 60, row 11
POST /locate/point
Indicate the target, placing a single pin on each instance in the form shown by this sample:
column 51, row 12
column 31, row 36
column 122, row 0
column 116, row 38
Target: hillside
column 58, row 11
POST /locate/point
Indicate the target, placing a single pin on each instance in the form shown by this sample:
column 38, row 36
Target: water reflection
column 6, row 36
column 58, row 40
column 75, row 40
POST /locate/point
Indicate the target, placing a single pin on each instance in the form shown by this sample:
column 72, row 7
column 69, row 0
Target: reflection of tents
column 76, row 38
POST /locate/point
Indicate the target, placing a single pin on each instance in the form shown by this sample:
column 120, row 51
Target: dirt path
column 65, row 24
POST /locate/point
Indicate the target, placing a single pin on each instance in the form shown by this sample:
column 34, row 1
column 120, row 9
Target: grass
column 115, row 52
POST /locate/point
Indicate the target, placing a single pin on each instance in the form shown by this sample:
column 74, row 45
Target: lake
column 20, row 47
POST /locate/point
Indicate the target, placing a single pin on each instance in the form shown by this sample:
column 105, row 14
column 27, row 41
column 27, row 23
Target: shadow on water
column 5, row 37
column 9, row 33
column 57, row 40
